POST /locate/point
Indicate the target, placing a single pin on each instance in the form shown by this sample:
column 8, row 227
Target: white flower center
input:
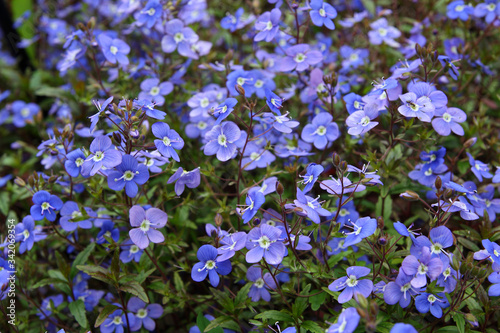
column 343, row 212
column 117, row 320
column 151, row 11
column 75, row 214
column 422, row 269
column 114, row 51
column 142, row 313
column 269, row 25
column 352, row 281
column 202, row 125
column 354, row 57
column 431, row 298
column 134, row 249
column 259, row 84
column 459, row 8
column 166, row 141
column 321, row 130
column 145, row 225
column 447, row 117
column 428, row 172
column 178, row 37
column 436, row 248
column 79, row 161
column 259, row 283
column 491, row 7
column 300, row 57
column 204, row 102
column 382, row 32
column 264, row 242
column 25, row 112
column 255, row 156
column 222, row 140
column 99, row 155
column 154, row 91
column 26, row 234
column 365, row 121
column 322, row 12
column 128, row 175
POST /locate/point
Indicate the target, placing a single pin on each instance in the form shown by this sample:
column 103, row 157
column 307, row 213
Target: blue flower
column 223, row 110
column 299, row 57
column 363, row 227
column 107, row 229
column 346, row 323
column 421, row 267
column 128, row 174
column 458, row 9
column 254, row 201
column 435, row 303
column 313, row 171
column 153, row 90
column 221, row 140
column 169, row 142
column 321, row 131
column 116, row 322
column 489, row 9
column 144, row 314
column 265, row 242
column 322, row 13
column 103, row 154
column 261, row 284
column 494, row 278
column 115, row 50
column 145, row 223
column 180, row 38
column 74, row 162
column 184, row 178
column 308, row 207
column 23, row 113
column 150, row 14
column 268, row 25
column 274, row 102
column 403, row 328
column 230, row 243
column 130, row 252
column 352, row 285
column 70, row 211
column 401, row 290
column 45, row 205
column 479, row 169
column 383, row 33
column 27, row 234
column 209, row 265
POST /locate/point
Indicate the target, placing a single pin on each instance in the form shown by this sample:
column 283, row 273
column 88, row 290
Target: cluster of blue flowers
column 260, row 115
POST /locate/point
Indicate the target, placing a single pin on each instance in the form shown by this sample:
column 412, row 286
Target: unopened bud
column 279, row 188
column 380, row 222
column 471, row 319
column 382, row 240
column 343, row 166
column 438, row 183
column 336, row 159
column 374, row 308
column 409, row 195
column 471, row 142
column 81, row 26
column 20, row 182
column 256, row 221
column 240, row 90
column 363, row 302
column 52, row 179
column 218, row 220
column 91, row 23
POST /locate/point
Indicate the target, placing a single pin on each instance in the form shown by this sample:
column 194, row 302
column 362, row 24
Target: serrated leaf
column 136, row 289
column 105, row 312
column 317, row 300
column 274, row 316
column 81, row 259
column 77, row 309
column 312, row 326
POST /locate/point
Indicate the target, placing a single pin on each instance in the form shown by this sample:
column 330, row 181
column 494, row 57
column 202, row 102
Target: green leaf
column 299, row 307
column 136, row 289
column 242, row 296
column 387, row 209
column 115, row 264
column 312, row 326
column 274, row 316
column 141, row 277
column 47, row 281
column 468, row 244
column 317, row 300
column 215, row 325
column 81, row 259
column 378, row 207
column 62, row 264
column 202, row 322
column 108, row 309
column 459, row 319
column 77, row 309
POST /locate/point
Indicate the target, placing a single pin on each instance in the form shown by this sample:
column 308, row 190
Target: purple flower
column 183, row 178
column 71, row 211
column 435, row 303
column 74, row 162
column 274, row 101
column 128, row 174
column 363, row 227
column 255, row 157
column 221, row 140
column 490, row 10
column 448, row 279
column 27, row 234
column 400, row 290
column 441, row 237
column 94, row 119
column 308, row 207
column 322, row 13
column 313, row 171
column 180, row 38
column 422, row 267
column 479, row 169
column 404, row 231
column 491, row 251
column 103, row 154
column 281, row 123
column 153, row 90
column 300, row 57
column 336, row 187
column 230, row 243
column 45, row 205
column 321, row 131
column 150, row 14
column 458, row 9
column 144, row 314
column 115, row 50
column 209, row 265
column 116, row 322
column 265, row 241
column 494, row 278
column 23, row 113
column 347, row 322
column 223, row 110
column 130, row 252
column 146, row 223
column 420, row 107
column 403, row 328
column 383, row 33
column 169, row 142
column 261, row 284
column 352, row 285
column 268, row 25
column 107, row 229
column 254, row 200
column 360, row 122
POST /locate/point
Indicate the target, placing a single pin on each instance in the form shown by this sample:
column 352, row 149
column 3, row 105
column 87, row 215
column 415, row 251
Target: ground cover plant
column 250, row 166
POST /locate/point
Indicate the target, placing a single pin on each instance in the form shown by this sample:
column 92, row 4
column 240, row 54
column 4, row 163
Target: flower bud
column 240, row 90
column 438, row 183
column 256, row 221
column 380, row 222
column 343, row 166
column 409, row 195
column 20, row 182
column 218, row 220
column 336, row 159
column 382, row 240
column 363, row 302
column 279, row 188
column 471, row 142
column 91, row 23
